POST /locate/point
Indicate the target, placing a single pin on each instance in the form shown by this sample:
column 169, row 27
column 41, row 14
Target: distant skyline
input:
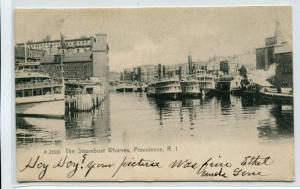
column 159, row 35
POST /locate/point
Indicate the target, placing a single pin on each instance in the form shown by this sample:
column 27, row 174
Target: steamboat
column 165, row 89
column 37, row 95
column 190, row 88
column 206, row 82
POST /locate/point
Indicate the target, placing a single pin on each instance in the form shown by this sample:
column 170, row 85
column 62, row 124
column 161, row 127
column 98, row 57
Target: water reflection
column 243, row 117
column 225, row 102
column 280, row 124
column 31, row 131
column 136, row 118
column 89, row 127
column 76, row 128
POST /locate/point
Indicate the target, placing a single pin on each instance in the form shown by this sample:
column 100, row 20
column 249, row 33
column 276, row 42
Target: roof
column 22, row 74
column 283, row 49
column 57, row 40
column 67, row 58
column 28, row 64
column 48, row 59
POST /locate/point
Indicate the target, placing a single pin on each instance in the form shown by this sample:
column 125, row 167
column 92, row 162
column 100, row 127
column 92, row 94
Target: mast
column 25, row 52
column 62, row 74
column 61, row 65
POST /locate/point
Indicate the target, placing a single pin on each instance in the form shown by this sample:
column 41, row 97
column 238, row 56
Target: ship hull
column 44, row 109
column 169, row 96
column 207, row 91
column 191, row 95
column 277, row 98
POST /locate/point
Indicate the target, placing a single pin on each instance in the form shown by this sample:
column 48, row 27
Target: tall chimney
column 164, row 71
column 190, row 64
column 25, row 52
column 159, row 71
column 180, row 72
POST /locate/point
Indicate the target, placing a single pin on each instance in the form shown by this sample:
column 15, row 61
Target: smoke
column 260, row 76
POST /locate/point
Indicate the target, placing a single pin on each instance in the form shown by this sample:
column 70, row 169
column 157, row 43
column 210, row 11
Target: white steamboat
column 165, row 89
column 207, row 83
column 190, row 88
column 37, row 95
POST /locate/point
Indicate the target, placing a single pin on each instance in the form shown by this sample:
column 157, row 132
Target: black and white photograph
column 154, row 94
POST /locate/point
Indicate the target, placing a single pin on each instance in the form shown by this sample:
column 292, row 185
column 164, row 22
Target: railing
column 42, row 84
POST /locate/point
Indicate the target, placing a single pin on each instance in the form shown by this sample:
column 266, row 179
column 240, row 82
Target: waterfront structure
column 200, row 66
column 284, row 70
column 224, row 67
column 24, row 54
column 216, row 66
column 153, row 72
column 84, row 95
column 150, row 72
column 265, row 55
column 76, row 65
column 81, row 58
column 246, row 60
column 143, row 73
column 79, row 51
column 82, row 44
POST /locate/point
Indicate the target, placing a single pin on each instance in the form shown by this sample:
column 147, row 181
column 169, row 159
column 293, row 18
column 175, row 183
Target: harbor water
column 135, row 118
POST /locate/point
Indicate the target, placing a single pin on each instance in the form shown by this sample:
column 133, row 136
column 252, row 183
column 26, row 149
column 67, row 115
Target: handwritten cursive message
column 211, row 167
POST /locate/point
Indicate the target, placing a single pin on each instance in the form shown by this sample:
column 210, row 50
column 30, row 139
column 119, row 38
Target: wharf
column 130, row 87
column 283, row 98
column 84, row 95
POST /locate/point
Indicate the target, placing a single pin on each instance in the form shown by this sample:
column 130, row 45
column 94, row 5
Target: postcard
column 154, row 94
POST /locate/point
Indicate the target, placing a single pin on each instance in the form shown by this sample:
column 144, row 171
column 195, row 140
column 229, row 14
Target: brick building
column 265, row 56
column 32, row 55
column 76, row 65
column 82, row 44
column 82, row 58
column 224, row 66
column 284, row 70
column 146, row 72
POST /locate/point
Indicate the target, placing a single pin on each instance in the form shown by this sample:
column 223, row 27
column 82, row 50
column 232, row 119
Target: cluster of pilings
column 83, row 102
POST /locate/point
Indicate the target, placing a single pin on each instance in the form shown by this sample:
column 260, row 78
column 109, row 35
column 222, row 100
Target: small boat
column 37, row 95
column 190, row 88
column 239, row 87
column 252, row 89
column 165, row 89
column 223, row 85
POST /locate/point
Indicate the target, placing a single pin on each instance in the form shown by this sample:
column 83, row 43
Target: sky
column 139, row 36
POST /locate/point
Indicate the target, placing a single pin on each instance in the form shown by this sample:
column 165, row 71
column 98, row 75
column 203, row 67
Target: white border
column 7, row 102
